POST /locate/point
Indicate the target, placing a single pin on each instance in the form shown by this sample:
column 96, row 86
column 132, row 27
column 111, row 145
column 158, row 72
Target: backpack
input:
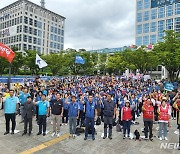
column 118, row 128
column 98, row 121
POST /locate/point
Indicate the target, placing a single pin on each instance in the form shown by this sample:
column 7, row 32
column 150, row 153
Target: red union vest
column 164, row 113
column 127, row 115
column 148, row 112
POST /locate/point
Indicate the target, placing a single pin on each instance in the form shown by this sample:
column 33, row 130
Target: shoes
column 166, row 138
column 74, row 135
column 110, row 137
column 39, row 133
column 24, row 133
column 151, row 139
column 93, row 138
column 53, row 134
column 124, row 137
column 12, row 132
column 104, row 137
column 146, row 138
column 160, row 138
column 6, row 133
column 58, row 134
column 29, row 133
column 85, row 138
column 44, row 134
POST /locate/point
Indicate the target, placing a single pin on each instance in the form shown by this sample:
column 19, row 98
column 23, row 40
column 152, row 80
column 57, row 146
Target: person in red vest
column 126, row 117
column 148, row 116
column 164, row 116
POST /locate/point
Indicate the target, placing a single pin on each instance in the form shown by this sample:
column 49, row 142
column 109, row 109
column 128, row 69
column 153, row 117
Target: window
column 24, row 47
column 153, row 39
column 30, row 30
column 58, row 46
column 146, row 15
column 35, row 23
column 29, row 47
column 177, row 8
column 62, row 32
column 146, row 28
column 153, row 13
column 62, row 39
column 34, row 40
column 26, row 20
column 169, row 24
column 139, row 29
column 39, row 41
column 39, row 33
column 51, row 37
column 161, row 29
column 59, row 31
column 146, row 4
column 35, row 32
column 145, row 40
column 31, row 21
column 54, row 45
column 52, row 29
column 139, row 5
column 30, row 39
column 139, row 17
column 153, row 27
column 62, row 47
column 25, row 38
column 40, row 25
column 55, row 30
column 161, row 12
column 55, row 38
column 177, row 24
column 59, row 39
column 51, row 44
column 169, row 10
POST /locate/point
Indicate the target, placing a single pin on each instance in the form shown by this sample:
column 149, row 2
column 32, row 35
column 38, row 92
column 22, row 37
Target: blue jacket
column 73, row 109
column 90, row 109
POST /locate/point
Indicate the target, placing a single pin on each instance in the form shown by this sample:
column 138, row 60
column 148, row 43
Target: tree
column 168, row 53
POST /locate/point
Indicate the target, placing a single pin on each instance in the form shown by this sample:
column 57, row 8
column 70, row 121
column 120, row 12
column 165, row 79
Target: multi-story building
column 29, row 26
column 155, row 16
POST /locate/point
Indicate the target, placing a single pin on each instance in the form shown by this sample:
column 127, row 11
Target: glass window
column 177, row 8
column 55, row 38
column 139, row 17
column 146, row 28
column 169, row 24
column 169, row 10
column 55, row 30
column 177, row 24
column 62, row 39
column 39, row 33
column 51, row 44
column 54, row 45
column 139, row 29
column 39, row 41
column 145, row 40
column 51, row 37
column 26, row 20
column 40, row 25
column 35, row 32
column 146, row 15
column 146, row 4
column 153, row 39
column 30, row 39
column 153, row 13
column 31, row 21
column 34, row 40
column 59, row 31
column 161, row 30
column 52, row 29
column 59, row 39
column 25, row 38
column 153, row 27
column 161, row 12
column 35, row 23
column 30, row 30
column 62, row 32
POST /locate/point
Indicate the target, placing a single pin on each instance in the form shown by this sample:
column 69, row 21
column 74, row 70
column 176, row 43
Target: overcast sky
column 94, row 24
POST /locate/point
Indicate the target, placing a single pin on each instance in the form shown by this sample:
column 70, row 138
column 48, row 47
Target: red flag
column 6, row 52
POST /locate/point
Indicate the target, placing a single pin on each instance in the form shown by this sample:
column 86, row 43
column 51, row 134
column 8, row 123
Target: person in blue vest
column 10, row 110
column 73, row 113
column 90, row 115
column 43, row 112
column 23, row 98
column 81, row 115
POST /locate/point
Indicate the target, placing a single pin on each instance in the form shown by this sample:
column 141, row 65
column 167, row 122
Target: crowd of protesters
column 86, row 101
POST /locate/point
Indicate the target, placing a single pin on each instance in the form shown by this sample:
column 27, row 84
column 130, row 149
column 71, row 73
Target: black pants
column 173, row 114
column 65, row 115
column 26, row 122
column 133, row 115
column 42, row 123
column 81, row 118
column 148, row 127
column 11, row 117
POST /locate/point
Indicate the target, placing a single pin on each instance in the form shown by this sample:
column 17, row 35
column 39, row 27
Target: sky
column 94, row 24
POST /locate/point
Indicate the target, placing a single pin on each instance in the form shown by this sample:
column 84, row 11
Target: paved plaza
column 12, row 144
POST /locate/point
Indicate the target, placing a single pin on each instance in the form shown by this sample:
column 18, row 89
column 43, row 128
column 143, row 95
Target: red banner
column 6, row 52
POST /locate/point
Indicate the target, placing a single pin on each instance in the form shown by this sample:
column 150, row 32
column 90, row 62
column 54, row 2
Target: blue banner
column 160, row 3
column 79, row 60
column 168, row 86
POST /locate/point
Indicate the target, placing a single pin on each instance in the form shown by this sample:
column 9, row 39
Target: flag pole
column 9, row 76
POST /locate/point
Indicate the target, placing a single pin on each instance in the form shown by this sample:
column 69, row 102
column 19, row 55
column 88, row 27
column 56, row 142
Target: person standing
column 23, row 98
column 148, row 116
column 10, row 110
column 109, row 115
column 43, row 111
column 90, row 116
column 29, row 111
column 57, row 112
column 164, row 116
column 126, row 117
column 73, row 113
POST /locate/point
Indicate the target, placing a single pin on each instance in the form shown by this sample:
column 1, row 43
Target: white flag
column 40, row 62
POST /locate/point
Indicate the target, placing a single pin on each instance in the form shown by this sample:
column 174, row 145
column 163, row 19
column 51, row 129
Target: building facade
column 155, row 16
column 29, row 26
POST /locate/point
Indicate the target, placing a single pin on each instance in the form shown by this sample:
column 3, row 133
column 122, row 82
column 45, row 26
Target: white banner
column 10, row 31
